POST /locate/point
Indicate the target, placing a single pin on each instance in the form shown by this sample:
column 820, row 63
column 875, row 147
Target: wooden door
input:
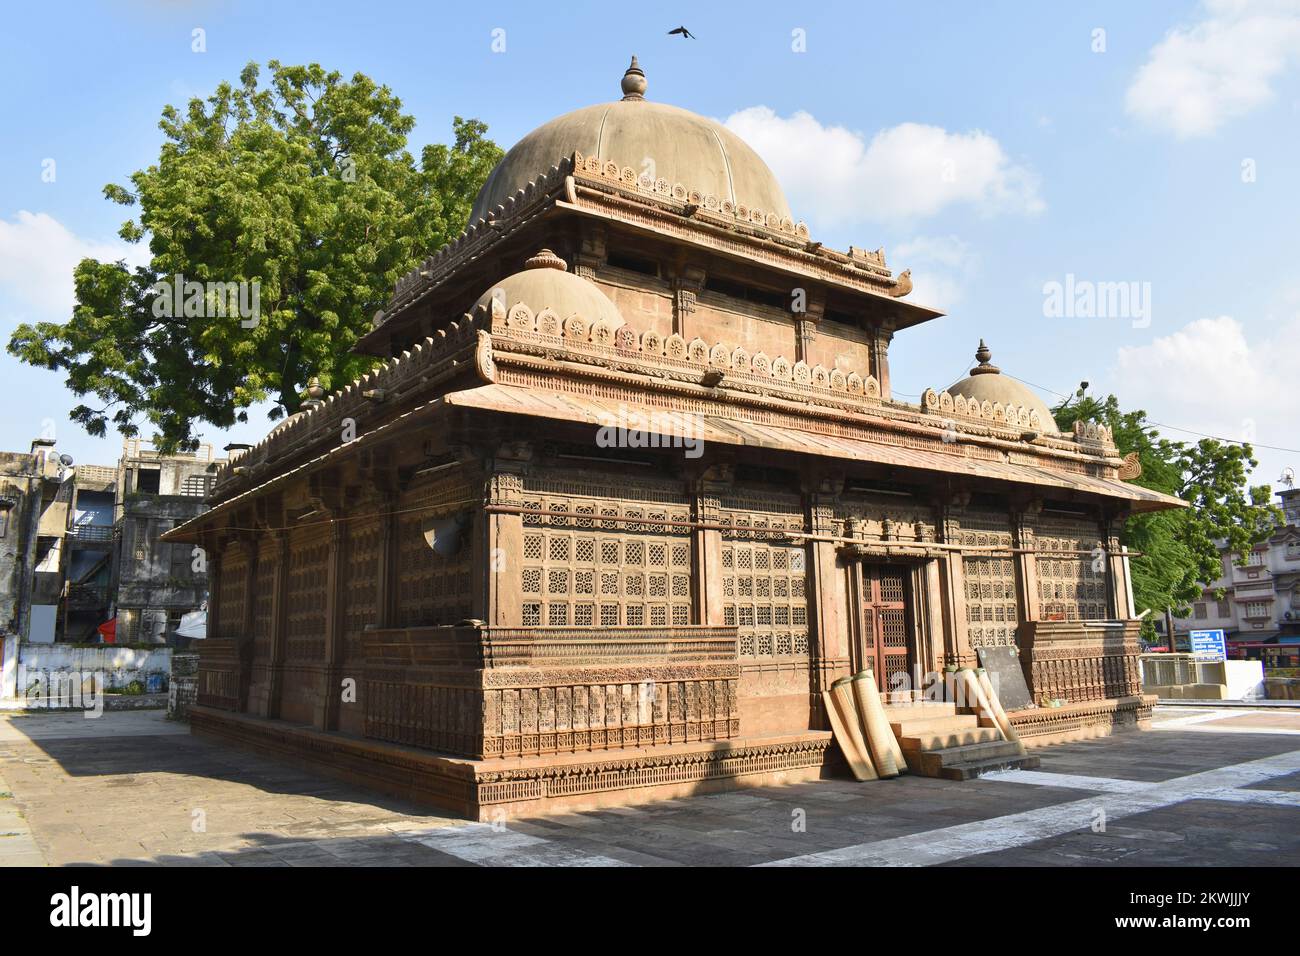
column 886, row 641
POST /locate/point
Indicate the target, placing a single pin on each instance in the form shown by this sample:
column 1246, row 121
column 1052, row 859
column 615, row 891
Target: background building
column 91, row 552
column 81, row 559
column 80, row 544
column 1260, row 607
column 33, row 514
column 157, row 583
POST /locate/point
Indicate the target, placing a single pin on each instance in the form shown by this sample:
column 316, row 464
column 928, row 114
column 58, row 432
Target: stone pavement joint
column 1019, row 829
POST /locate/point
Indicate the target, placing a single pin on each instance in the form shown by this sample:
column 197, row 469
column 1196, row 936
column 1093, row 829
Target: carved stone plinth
column 224, row 672
column 499, row 788
column 496, row 692
column 1080, row 661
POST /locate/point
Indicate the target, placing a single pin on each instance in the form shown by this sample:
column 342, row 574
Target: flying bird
column 685, row 33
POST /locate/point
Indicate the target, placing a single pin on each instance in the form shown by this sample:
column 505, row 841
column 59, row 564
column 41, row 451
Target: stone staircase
column 939, row 742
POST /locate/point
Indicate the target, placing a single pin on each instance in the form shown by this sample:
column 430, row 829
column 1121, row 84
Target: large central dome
column 671, row 143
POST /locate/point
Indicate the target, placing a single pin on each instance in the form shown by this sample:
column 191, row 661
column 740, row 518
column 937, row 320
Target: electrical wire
column 1188, row 431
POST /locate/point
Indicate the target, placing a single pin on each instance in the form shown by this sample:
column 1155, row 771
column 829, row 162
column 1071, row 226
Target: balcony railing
column 87, row 595
column 91, row 532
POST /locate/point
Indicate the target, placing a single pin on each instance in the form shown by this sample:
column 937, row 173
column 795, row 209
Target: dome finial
column 983, row 355
column 634, row 84
column 546, row 259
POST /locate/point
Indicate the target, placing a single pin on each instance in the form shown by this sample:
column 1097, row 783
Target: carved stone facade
column 609, row 531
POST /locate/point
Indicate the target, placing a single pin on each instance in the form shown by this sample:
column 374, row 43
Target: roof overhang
column 682, row 427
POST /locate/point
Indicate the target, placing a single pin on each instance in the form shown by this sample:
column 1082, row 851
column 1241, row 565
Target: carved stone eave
column 651, row 217
column 418, row 370
column 283, row 478
column 565, row 186
column 887, row 553
column 577, row 362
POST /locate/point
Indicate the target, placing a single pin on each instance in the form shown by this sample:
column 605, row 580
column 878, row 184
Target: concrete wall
column 118, row 665
column 1182, row 677
column 183, row 689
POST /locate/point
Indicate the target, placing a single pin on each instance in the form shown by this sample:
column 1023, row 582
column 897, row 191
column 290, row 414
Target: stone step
column 927, row 708
column 950, row 738
column 932, row 763
column 969, row 771
column 915, row 726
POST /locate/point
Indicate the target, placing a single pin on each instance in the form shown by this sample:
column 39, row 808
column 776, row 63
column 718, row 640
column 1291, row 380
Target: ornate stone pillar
column 706, row 554
column 387, row 561
column 591, row 253
column 688, row 283
column 828, row 596
column 927, row 583
column 1119, row 588
column 880, row 339
column 505, row 546
column 212, row 549
column 806, row 327
column 952, row 589
column 279, row 622
column 249, row 545
column 831, row 600
column 1023, row 520
column 331, row 691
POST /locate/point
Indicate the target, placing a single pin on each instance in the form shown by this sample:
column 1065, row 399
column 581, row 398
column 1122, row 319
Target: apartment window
column 1200, row 611
column 181, row 562
column 149, row 482
column 1256, row 558
column 1256, row 609
column 1224, row 609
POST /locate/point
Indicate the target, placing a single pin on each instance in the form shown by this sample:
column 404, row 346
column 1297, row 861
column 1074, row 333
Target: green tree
column 301, row 188
column 1180, row 548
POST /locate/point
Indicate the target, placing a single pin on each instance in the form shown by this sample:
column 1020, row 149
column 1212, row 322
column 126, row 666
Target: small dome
column 671, row 143
column 986, row 383
column 544, row 284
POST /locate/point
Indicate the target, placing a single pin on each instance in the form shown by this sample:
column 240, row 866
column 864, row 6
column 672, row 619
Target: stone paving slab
column 1269, row 722
column 134, row 789
column 1289, row 783
column 1193, row 833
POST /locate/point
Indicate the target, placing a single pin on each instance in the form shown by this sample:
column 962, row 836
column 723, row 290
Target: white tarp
column 193, row 624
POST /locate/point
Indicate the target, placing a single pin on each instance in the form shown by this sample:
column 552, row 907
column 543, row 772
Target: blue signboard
column 1208, row 645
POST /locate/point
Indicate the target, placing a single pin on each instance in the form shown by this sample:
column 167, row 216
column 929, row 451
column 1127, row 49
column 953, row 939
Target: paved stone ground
column 1205, row 787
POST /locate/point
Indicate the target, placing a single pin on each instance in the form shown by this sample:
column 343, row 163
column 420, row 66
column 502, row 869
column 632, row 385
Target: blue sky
column 991, row 148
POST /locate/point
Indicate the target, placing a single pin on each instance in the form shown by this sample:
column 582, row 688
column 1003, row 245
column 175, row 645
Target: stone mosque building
column 630, row 489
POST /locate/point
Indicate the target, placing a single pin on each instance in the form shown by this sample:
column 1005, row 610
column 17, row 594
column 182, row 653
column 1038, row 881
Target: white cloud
column 1213, row 377
column 906, row 172
column 941, row 268
column 37, row 256
column 1223, row 66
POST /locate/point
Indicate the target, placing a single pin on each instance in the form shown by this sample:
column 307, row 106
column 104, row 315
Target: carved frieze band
column 944, row 403
column 605, row 338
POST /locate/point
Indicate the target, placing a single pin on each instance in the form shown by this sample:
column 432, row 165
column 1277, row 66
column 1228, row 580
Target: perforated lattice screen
column 764, row 594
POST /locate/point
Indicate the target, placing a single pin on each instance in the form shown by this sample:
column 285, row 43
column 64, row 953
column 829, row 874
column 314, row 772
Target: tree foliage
column 302, row 188
column 1181, row 548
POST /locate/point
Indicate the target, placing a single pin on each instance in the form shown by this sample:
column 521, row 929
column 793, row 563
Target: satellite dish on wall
column 444, row 535
column 65, row 461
